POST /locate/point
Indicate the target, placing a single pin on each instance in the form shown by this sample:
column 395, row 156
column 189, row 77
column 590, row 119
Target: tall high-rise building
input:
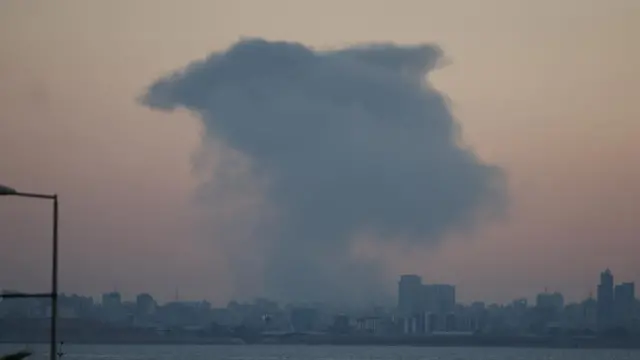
column 439, row 302
column 605, row 301
column 439, row 298
column 624, row 303
column 409, row 294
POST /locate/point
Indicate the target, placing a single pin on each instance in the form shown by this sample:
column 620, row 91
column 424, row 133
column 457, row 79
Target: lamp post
column 8, row 191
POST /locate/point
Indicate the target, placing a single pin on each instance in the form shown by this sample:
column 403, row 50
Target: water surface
column 277, row 352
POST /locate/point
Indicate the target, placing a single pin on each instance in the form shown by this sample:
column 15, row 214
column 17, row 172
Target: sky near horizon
column 545, row 89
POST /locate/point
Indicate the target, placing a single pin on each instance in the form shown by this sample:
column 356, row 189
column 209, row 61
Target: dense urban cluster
column 422, row 310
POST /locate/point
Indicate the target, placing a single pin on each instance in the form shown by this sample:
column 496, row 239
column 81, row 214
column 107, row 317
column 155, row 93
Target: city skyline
column 396, row 302
column 421, row 309
column 545, row 93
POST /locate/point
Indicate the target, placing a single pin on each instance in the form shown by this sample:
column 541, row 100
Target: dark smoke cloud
column 347, row 141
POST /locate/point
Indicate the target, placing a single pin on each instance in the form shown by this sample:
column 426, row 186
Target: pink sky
column 561, row 117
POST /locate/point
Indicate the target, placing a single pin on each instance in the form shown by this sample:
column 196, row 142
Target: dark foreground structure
column 89, row 332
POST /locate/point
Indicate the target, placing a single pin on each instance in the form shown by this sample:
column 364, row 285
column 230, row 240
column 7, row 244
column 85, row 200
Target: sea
column 311, row 352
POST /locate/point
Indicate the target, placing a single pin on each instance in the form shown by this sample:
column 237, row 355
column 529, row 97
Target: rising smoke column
column 347, row 141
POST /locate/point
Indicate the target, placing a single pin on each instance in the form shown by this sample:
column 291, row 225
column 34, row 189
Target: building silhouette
column 145, row 305
column 426, row 307
column 605, row 301
column 410, row 295
column 624, row 304
column 552, row 301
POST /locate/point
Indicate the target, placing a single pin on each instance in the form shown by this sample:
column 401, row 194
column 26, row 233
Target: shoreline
column 495, row 342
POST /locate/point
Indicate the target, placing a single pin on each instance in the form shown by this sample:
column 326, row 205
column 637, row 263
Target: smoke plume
column 346, row 142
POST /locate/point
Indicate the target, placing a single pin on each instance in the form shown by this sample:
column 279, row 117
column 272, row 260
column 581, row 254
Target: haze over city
column 172, row 201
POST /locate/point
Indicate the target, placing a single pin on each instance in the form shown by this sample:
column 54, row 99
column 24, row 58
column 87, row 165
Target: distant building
column 185, row 313
column 112, row 309
column 111, row 300
column 516, row 315
column 20, row 308
column 548, row 312
column 409, row 295
column 450, row 323
column 145, row 305
column 582, row 316
column 605, row 301
column 425, row 307
column 478, row 306
column 431, row 323
column 439, row 298
column 521, row 303
column 76, row 306
column 417, row 324
column 465, row 320
column 551, row 301
column 624, row 304
column 478, row 314
column 439, row 302
column 369, row 324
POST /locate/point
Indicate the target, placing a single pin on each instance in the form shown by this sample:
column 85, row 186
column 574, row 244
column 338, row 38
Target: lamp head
column 5, row 190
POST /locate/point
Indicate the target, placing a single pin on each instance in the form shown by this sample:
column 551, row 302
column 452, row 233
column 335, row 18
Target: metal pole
column 54, row 281
column 5, row 190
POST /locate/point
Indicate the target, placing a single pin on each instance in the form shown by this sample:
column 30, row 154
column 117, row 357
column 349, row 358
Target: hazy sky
column 546, row 89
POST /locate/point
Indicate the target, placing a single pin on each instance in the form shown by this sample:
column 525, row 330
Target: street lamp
column 9, row 191
column 5, row 190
